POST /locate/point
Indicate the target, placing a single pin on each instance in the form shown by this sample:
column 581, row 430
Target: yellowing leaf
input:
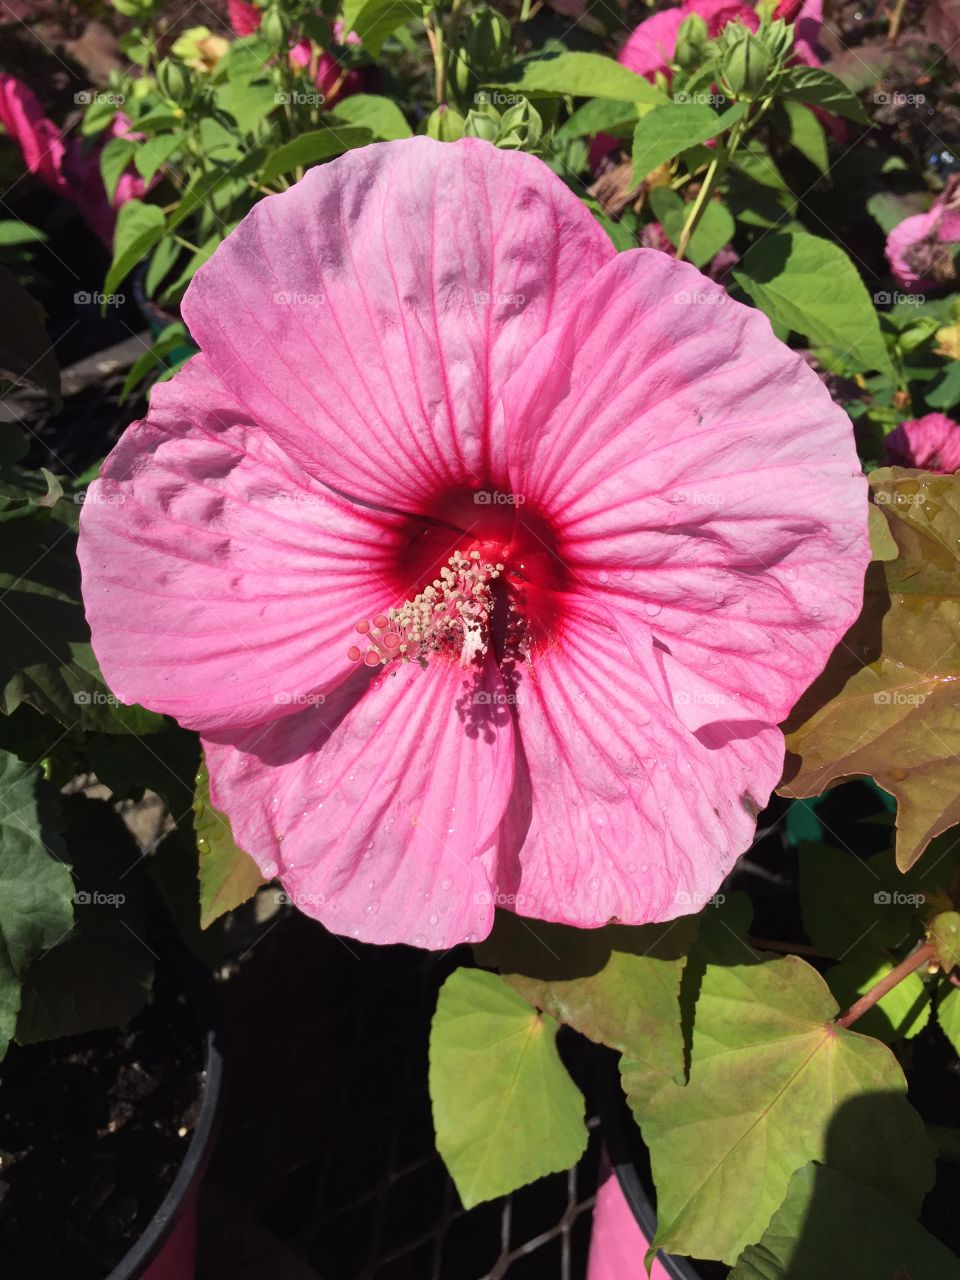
column 888, row 704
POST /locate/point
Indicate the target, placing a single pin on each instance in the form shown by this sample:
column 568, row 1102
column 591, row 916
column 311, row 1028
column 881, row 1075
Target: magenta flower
column 485, row 559
column 332, row 79
column 920, row 248
column 62, row 163
column 653, row 43
column 931, row 443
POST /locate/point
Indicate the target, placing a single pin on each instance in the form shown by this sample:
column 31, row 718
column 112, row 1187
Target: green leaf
column 946, row 394
column 309, row 148
column 375, row 20
column 114, row 158
column 139, row 227
column 807, row 135
column 944, row 933
column 102, row 973
column 774, row 1083
column 948, row 1015
column 581, row 75
column 715, row 229
column 505, row 1110
column 26, row 352
column 15, row 232
column 666, row 131
column 618, row 985
column 36, row 888
column 818, row 88
column 154, row 152
column 173, row 336
column 847, row 902
column 599, row 115
column 228, row 876
column 830, row 1225
column 899, row 1015
column 885, row 707
column 381, row 116
column 811, row 285
column 45, row 654
column 888, row 209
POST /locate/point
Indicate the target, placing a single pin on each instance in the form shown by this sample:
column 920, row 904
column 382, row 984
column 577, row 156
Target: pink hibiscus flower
column 65, row 164
column 920, row 248
column 931, row 443
column 486, row 559
column 652, row 45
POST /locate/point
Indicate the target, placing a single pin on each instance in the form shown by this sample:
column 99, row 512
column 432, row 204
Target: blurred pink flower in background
column 437, row 416
column 652, row 45
column 332, row 79
column 920, row 248
column 931, row 443
column 64, row 163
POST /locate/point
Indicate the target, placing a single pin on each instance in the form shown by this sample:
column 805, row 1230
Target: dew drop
column 433, row 920
column 651, row 608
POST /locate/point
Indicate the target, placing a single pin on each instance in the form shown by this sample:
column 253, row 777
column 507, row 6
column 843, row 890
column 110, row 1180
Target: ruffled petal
column 222, row 584
column 369, row 316
column 620, row 812
column 697, row 468
column 380, row 808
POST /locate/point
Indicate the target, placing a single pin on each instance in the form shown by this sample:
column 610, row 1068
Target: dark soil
column 93, row 1129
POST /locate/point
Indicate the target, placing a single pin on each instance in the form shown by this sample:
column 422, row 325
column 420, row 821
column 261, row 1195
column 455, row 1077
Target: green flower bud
column 482, row 124
column 745, row 63
column 692, row 41
column 487, row 42
column 444, row 124
column 174, row 80
column 520, row 128
column 275, row 28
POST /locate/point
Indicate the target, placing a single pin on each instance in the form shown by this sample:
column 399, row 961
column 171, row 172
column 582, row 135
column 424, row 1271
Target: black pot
column 167, row 1248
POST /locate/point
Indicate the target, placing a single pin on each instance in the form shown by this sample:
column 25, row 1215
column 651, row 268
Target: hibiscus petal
column 621, row 812
column 368, row 316
column 699, row 469
column 379, row 809
column 222, row 583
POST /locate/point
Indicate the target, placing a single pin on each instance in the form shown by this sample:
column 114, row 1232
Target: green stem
column 434, row 29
